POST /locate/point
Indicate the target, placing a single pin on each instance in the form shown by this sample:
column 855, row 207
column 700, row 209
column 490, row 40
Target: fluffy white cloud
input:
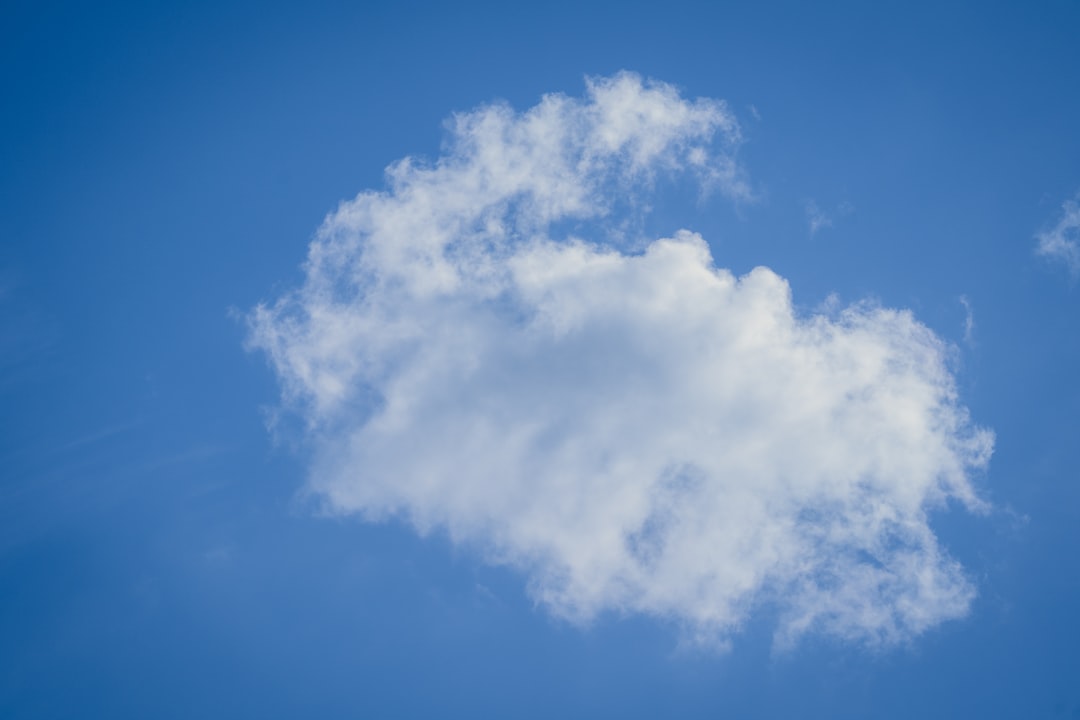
column 1062, row 242
column 634, row 428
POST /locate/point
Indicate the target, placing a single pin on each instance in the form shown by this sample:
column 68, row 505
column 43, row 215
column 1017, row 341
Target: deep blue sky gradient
column 162, row 167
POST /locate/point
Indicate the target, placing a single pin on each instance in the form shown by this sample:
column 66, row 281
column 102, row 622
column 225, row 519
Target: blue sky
column 362, row 525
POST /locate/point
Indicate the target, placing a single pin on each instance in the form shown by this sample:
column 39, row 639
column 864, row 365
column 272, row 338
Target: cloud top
column 479, row 350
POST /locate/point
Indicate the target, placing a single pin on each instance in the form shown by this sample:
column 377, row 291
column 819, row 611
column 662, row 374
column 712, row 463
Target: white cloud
column 816, row 218
column 1063, row 241
column 476, row 350
column 969, row 320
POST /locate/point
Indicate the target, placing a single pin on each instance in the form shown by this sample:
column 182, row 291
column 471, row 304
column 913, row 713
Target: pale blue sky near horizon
column 163, row 169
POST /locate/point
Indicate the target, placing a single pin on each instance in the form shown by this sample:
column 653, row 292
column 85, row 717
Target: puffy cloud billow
column 477, row 350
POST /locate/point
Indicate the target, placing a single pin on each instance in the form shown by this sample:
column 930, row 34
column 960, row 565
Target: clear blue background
column 163, row 165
